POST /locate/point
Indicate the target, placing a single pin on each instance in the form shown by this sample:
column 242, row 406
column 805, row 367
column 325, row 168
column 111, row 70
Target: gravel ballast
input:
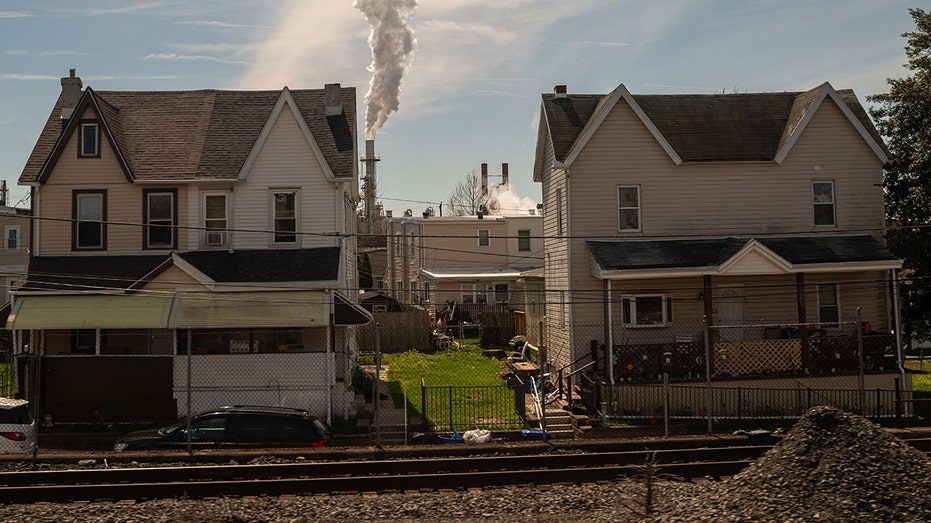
column 832, row 466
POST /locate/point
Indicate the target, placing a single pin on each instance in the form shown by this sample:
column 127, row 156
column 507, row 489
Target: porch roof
column 470, row 274
column 622, row 259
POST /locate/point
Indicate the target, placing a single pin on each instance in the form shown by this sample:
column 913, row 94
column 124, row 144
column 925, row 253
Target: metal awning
column 228, row 310
column 346, row 312
column 92, row 311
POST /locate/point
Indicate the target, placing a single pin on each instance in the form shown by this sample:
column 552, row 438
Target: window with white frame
column 828, row 303
column 216, row 219
column 89, row 140
column 484, row 238
column 11, row 236
column 823, row 198
column 473, row 293
column 159, row 214
column 284, row 206
column 628, row 208
column 89, row 210
column 523, row 240
column 646, row 310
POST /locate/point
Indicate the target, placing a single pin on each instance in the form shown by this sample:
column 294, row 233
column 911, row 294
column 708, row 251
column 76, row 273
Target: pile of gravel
column 832, row 466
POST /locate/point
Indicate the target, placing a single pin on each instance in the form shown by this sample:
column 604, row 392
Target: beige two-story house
column 752, row 220
column 210, row 231
column 462, row 266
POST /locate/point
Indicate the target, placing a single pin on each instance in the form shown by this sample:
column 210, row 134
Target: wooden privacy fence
column 399, row 331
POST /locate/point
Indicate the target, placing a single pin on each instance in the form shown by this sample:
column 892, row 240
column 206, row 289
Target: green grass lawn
column 476, row 397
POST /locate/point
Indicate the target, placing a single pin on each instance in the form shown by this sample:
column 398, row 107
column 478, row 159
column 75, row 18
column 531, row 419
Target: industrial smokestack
column 368, row 184
column 504, row 174
column 392, row 43
column 484, row 181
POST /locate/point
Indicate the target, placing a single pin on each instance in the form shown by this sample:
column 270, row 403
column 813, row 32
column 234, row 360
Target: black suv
column 234, row 426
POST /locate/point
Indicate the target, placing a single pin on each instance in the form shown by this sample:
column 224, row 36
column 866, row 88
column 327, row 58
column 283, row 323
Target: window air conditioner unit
column 216, row 238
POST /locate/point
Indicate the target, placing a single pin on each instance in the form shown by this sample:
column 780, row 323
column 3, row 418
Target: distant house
column 210, row 230
column 754, row 219
column 465, row 265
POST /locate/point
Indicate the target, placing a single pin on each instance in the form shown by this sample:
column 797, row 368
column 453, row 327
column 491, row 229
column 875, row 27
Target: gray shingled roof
column 620, row 255
column 88, row 273
column 262, row 266
column 701, row 128
column 207, row 134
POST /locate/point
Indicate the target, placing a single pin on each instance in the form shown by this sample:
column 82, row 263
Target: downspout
column 229, row 223
column 568, row 212
column 610, row 329
column 897, row 322
column 36, row 206
column 329, row 356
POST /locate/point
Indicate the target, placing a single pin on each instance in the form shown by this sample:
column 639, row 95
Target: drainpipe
column 610, row 322
column 897, row 319
column 329, row 356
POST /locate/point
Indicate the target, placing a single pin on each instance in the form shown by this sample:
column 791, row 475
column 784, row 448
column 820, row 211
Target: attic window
column 89, row 140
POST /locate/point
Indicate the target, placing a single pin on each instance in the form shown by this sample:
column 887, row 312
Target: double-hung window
column 11, row 238
column 523, row 240
column 89, row 140
column 484, row 238
column 823, row 197
column 628, row 208
column 284, row 206
column 646, row 310
column 473, row 293
column 215, row 219
column 159, row 217
column 89, row 212
column 828, row 303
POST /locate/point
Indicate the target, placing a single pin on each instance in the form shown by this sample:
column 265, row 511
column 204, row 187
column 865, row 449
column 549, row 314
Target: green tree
column 903, row 116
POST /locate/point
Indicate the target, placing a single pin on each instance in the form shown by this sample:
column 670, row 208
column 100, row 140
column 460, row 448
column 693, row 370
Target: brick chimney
column 560, row 91
column 70, row 96
column 333, row 100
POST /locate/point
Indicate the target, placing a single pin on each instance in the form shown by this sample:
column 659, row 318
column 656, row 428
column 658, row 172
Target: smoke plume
column 392, row 42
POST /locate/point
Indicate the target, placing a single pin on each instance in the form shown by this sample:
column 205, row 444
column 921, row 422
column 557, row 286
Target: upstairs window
column 11, row 234
column 523, row 240
column 646, row 310
column 484, row 238
column 284, row 205
column 215, row 220
column 89, row 140
column 89, row 211
column 823, row 196
column 628, row 208
column 159, row 218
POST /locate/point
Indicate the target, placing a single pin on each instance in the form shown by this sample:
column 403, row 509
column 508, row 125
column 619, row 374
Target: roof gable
column 701, row 128
column 287, row 105
column 200, row 135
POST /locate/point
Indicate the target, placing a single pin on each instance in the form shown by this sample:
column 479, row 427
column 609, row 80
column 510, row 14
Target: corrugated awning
column 347, row 313
column 92, row 311
column 282, row 309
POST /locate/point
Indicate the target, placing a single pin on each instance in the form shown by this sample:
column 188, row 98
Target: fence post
column 739, row 406
column 898, row 405
column 423, row 404
column 862, row 398
column 375, row 392
column 708, row 399
column 665, row 404
column 450, row 408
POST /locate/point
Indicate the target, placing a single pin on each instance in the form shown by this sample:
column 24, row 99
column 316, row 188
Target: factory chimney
column 484, row 181
column 368, row 185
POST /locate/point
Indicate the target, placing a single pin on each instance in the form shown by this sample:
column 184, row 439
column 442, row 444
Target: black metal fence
column 461, row 408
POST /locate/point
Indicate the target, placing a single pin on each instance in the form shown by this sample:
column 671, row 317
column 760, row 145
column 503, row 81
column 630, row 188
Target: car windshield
column 170, row 429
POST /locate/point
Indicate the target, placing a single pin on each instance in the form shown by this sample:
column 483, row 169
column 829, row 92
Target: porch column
column 609, row 332
column 802, row 315
column 706, row 291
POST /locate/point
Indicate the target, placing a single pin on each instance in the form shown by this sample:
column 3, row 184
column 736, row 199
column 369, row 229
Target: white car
column 17, row 428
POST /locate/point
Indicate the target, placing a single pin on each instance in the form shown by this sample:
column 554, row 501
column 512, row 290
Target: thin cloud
column 213, row 48
column 14, row 14
column 131, row 8
column 598, row 44
column 23, row 52
column 191, row 58
column 25, row 76
column 212, row 23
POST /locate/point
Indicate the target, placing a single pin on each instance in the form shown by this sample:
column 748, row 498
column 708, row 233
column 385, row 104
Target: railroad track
column 368, row 476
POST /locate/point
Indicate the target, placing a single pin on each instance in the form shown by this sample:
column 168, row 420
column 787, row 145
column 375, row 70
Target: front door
column 731, row 307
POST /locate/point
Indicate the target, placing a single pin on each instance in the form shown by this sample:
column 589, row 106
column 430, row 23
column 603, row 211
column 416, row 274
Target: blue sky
column 471, row 94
